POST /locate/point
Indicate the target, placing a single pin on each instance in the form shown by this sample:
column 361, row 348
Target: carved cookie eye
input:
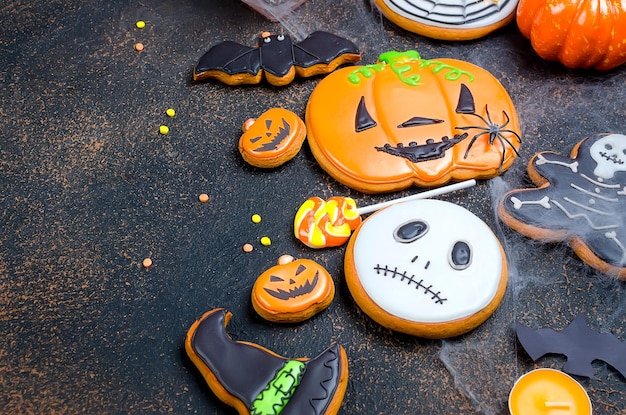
column 460, row 256
column 280, row 37
column 410, row 231
column 267, row 39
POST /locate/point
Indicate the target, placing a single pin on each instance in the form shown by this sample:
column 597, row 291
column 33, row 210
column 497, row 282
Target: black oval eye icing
column 460, row 255
column 410, row 231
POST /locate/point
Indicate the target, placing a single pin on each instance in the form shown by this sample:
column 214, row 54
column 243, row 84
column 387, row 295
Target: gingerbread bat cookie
column 275, row 58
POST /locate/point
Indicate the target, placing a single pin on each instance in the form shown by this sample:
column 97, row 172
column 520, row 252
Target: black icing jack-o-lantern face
column 285, row 290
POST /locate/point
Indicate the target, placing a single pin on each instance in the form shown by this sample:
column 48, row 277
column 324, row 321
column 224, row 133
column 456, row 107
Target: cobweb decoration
column 450, row 12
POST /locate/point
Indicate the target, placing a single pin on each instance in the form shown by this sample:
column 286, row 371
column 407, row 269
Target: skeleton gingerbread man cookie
column 581, row 199
column 427, row 268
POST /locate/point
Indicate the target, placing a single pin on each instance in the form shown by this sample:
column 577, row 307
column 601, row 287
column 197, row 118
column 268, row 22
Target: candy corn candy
column 320, row 224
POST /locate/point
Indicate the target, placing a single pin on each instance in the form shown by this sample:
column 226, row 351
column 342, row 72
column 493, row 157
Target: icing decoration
column 577, row 33
column 426, row 267
column 410, row 121
column 449, row 19
column 578, row 343
column 320, row 224
column 275, row 58
column 241, row 373
column 292, row 291
column 581, row 199
column 279, row 390
column 272, row 139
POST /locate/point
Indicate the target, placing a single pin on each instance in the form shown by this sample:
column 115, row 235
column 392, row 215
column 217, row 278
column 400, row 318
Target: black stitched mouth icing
column 612, row 157
column 403, row 277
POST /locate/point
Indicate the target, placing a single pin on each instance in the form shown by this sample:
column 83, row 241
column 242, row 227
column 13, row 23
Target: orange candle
column 548, row 392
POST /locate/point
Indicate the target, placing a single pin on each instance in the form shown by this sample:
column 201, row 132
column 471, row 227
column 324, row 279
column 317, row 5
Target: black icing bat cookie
column 581, row 199
column 275, row 58
column 578, row 342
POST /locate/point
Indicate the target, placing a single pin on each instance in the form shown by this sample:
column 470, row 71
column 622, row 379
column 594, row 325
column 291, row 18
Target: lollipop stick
column 423, row 195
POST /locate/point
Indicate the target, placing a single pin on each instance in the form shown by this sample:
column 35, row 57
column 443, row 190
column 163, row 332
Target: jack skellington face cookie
column 427, row 268
column 581, row 200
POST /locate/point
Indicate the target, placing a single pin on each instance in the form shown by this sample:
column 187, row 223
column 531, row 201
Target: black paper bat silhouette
column 276, row 58
column 578, row 343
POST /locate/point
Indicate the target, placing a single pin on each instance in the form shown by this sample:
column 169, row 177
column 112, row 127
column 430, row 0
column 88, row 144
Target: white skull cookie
column 427, row 268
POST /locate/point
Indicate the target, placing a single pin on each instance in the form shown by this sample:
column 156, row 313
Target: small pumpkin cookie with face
column 292, row 291
column 272, row 139
column 411, row 121
column 427, row 268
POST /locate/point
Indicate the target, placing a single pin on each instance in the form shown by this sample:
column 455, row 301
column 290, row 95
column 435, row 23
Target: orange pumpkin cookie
column 451, row 19
column 292, row 291
column 411, row 121
column 272, row 139
column 577, row 33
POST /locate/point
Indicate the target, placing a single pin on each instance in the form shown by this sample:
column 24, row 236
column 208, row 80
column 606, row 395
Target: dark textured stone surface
column 88, row 188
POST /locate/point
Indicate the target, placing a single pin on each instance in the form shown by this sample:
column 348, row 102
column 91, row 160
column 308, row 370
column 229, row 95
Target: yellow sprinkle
column 256, row 218
column 164, row 129
column 266, row 241
column 140, row 24
column 170, row 112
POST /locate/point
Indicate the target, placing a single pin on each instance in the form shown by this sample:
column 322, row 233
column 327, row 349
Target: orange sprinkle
column 265, row 34
column 147, row 263
column 203, row 198
column 138, row 47
column 247, row 248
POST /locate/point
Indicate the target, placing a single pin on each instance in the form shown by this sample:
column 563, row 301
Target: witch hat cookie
column 257, row 381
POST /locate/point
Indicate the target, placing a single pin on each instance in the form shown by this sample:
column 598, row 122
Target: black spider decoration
column 495, row 132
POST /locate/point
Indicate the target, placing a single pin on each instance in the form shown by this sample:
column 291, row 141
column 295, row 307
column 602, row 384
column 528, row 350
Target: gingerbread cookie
column 411, row 121
column 272, row 139
column 275, row 58
column 256, row 381
column 427, row 268
column 581, row 200
column 292, row 291
column 451, row 19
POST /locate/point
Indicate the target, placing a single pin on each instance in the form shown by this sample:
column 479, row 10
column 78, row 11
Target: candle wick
column 566, row 405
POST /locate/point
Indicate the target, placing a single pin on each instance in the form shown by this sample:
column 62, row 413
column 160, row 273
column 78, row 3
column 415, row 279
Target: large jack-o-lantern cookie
column 581, row 199
column 257, row 381
column 449, row 19
column 427, row 268
column 411, row 121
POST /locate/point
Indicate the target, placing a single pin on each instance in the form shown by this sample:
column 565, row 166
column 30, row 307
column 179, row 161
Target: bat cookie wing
column 323, row 52
column 227, row 61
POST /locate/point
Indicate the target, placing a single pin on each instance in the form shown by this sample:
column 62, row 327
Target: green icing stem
column 276, row 395
column 400, row 63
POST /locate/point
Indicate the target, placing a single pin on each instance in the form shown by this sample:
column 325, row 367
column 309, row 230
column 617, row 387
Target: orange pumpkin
column 577, row 33
column 272, row 139
column 410, row 121
column 292, row 291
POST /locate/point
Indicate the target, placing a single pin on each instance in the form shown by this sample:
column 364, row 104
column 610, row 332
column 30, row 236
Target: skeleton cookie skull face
column 428, row 261
column 609, row 153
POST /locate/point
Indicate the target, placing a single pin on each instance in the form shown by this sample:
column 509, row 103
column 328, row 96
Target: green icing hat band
column 273, row 399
